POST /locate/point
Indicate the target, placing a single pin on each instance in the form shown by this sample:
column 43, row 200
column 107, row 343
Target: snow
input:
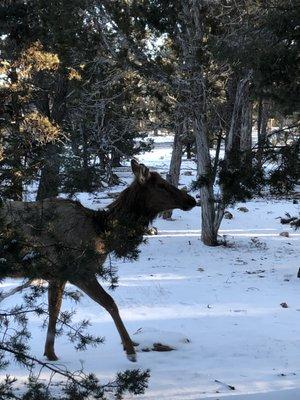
column 219, row 308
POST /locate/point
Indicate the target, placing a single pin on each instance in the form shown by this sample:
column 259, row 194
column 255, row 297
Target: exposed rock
column 152, row 230
column 146, row 349
column 228, row 215
column 284, row 234
column 284, row 305
column 162, row 347
column 243, row 209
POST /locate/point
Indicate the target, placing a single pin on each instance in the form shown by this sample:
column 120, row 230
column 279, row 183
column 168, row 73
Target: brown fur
column 52, row 222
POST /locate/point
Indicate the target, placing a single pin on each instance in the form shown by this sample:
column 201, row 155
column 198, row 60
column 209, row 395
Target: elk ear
column 140, row 171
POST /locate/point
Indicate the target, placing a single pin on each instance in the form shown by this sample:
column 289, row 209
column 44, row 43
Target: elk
column 63, row 232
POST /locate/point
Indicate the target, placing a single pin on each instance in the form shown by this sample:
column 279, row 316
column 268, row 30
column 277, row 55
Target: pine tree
column 213, row 63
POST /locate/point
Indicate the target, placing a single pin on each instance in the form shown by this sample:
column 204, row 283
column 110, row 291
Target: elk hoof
column 135, row 344
column 131, row 357
column 51, row 356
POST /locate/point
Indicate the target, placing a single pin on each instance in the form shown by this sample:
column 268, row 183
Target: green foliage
column 77, row 177
column 20, row 258
column 201, row 181
column 62, row 84
column 240, row 178
column 82, row 80
column 16, row 255
column 15, row 334
column 133, row 380
column 283, row 178
column 87, row 387
column 123, row 236
column 267, row 41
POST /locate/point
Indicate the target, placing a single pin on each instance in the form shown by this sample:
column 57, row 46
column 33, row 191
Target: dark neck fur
column 123, row 224
column 131, row 203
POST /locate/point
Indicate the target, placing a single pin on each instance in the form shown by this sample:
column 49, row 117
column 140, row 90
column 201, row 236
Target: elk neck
column 123, row 224
column 131, row 205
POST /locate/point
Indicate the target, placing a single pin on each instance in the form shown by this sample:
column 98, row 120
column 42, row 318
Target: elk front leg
column 96, row 292
column 55, row 294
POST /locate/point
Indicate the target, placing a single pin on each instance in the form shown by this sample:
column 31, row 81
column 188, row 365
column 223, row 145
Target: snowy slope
column 218, row 307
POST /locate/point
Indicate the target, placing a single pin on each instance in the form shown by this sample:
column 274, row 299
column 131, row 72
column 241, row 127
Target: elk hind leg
column 95, row 291
column 55, row 294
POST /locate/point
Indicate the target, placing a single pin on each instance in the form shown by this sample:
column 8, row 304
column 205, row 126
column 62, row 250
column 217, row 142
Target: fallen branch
column 225, row 384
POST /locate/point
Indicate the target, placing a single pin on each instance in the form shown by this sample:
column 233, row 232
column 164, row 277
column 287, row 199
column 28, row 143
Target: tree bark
column 239, row 134
column 264, row 110
column 49, row 181
column 88, row 185
column 234, row 132
column 175, row 164
column 208, row 232
column 246, row 123
column 259, row 117
column 16, row 189
column 217, row 156
column 188, row 150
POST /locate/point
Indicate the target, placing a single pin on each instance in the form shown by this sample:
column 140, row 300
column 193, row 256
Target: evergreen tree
column 215, row 62
column 61, row 72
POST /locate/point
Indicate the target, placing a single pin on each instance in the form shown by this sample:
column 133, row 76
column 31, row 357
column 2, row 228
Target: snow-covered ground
column 218, row 307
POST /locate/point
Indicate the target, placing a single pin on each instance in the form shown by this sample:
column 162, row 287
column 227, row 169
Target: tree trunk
column 88, row 186
column 175, row 164
column 234, row 132
column 208, row 232
column 115, row 159
column 217, row 156
column 49, row 181
column 246, row 123
column 16, row 188
column 188, row 151
column 239, row 136
column 259, row 117
column 176, row 158
column 263, row 129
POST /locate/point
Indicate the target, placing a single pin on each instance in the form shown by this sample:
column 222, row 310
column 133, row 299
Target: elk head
column 156, row 193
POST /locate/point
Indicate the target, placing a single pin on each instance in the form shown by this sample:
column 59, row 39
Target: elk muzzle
column 188, row 202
